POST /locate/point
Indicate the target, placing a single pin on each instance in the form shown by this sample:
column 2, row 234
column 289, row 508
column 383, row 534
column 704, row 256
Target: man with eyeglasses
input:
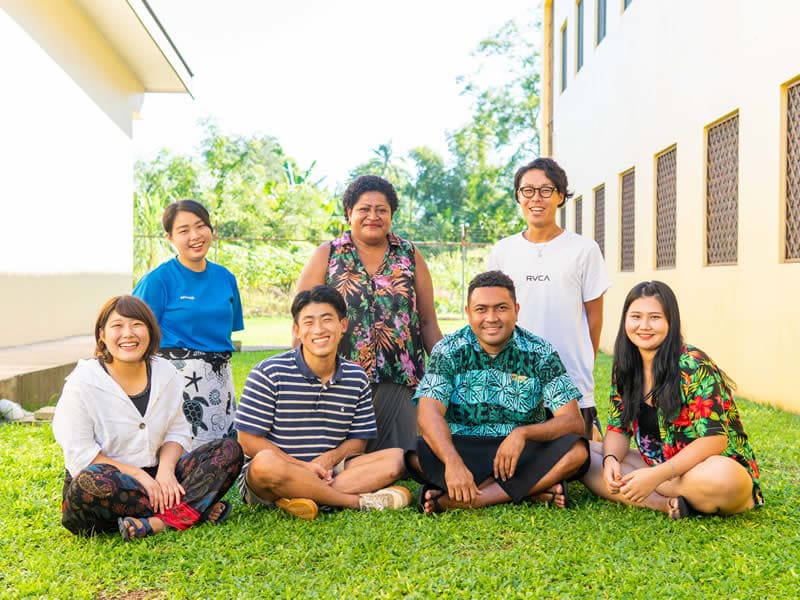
column 560, row 278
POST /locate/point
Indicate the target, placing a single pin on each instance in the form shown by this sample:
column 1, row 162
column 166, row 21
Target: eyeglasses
column 529, row 191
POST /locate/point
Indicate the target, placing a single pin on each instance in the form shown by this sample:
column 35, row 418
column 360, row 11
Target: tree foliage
column 470, row 189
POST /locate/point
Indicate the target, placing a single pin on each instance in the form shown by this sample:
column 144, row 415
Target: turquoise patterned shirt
column 488, row 395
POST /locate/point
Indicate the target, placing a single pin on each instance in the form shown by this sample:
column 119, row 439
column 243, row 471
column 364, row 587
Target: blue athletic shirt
column 198, row 311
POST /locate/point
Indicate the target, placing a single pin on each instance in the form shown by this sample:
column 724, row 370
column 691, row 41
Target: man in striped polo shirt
column 304, row 420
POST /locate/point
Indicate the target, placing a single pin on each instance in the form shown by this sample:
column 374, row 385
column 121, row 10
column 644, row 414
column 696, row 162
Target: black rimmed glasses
column 529, row 191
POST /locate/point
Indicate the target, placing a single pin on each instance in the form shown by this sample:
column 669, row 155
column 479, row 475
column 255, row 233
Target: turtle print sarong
column 209, row 399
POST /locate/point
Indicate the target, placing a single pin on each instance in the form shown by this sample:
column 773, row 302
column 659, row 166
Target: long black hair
column 628, row 370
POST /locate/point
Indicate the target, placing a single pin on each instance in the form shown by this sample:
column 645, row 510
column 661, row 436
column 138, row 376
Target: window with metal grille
column 600, row 218
column 564, row 57
column 601, row 20
column 579, row 33
column 666, row 202
column 722, row 192
column 579, row 215
column 793, row 173
column 627, row 221
column 562, row 217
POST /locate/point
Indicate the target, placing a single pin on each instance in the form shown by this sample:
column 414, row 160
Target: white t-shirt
column 551, row 290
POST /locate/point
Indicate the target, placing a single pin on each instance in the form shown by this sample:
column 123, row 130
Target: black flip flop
column 423, row 491
column 684, row 509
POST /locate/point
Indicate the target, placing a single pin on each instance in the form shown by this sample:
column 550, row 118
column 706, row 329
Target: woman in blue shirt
column 198, row 307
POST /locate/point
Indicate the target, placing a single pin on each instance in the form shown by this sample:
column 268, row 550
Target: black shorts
column 478, row 453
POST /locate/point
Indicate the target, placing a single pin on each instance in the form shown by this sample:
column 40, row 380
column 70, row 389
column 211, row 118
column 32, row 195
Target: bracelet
column 672, row 467
column 610, row 456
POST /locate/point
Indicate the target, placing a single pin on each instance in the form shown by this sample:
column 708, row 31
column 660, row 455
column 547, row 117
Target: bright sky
column 329, row 79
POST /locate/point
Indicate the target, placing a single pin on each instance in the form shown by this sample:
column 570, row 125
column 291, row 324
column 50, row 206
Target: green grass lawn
column 594, row 550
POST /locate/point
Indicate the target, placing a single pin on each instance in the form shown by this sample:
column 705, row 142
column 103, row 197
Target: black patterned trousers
column 97, row 496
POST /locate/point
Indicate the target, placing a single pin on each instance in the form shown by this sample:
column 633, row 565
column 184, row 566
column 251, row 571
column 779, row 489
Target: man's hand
column 324, row 474
column 460, row 483
column 325, row 460
column 508, row 453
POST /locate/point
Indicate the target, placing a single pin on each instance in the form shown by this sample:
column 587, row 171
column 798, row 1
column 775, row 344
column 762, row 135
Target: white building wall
column 665, row 72
column 66, row 104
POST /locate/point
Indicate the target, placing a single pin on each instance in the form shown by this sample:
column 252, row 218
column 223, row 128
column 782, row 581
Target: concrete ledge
column 33, row 375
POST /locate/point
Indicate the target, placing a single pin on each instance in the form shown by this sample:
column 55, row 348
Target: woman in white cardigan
column 119, row 421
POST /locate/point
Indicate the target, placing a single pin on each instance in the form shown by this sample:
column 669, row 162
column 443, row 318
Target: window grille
column 579, row 215
column 564, row 57
column 600, row 218
column 562, row 217
column 627, row 247
column 793, row 173
column 722, row 192
column 579, row 33
column 601, row 20
column 666, row 197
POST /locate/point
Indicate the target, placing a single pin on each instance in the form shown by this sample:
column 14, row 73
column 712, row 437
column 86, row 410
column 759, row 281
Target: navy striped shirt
column 284, row 402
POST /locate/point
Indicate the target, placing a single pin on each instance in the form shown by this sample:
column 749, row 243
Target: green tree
column 163, row 180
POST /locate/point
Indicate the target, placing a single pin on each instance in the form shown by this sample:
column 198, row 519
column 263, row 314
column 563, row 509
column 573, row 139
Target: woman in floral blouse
column 390, row 311
column 693, row 454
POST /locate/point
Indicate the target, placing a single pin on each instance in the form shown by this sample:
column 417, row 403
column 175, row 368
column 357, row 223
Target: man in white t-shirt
column 559, row 275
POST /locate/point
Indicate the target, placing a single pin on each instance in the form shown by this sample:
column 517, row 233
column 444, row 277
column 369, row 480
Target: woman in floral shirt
column 389, row 294
column 678, row 406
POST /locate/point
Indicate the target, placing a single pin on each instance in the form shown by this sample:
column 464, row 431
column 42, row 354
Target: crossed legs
column 718, row 485
column 271, row 476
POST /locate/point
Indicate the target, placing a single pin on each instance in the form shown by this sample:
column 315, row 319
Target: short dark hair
column 319, row 294
column 492, row 279
column 133, row 308
column 188, row 205
column 368, row 183
column 552, row 171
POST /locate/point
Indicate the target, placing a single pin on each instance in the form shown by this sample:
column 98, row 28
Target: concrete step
column 33, row 375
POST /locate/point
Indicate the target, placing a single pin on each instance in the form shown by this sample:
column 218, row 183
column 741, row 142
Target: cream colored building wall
column 67, row 102
column 665, row 72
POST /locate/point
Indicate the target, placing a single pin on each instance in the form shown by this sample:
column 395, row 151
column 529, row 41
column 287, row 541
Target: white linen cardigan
column 95, row 415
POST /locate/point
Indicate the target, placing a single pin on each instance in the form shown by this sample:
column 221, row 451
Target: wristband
column 610, row 456
column 672, row 467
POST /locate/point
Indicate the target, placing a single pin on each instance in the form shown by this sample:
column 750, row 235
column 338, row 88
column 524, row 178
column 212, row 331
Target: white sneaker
column 393, row 497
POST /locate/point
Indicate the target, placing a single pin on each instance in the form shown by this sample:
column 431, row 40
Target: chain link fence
column 267, row 269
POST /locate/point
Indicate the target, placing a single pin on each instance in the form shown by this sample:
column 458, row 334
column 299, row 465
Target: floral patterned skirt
column 209, row 398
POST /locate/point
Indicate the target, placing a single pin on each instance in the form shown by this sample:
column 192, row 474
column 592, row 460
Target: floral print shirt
column 707, row 408
column 383, row 333
column 489, row 396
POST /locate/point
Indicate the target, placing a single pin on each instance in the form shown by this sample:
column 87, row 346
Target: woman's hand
column 612, row 474
column 639, row 484
column 171, row 490
column 152, row 487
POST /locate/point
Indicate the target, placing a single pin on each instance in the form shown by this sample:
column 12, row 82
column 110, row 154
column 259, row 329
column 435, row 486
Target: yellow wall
column 663, row 74
column 66, row 202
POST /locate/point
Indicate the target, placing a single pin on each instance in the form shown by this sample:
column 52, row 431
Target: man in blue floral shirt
column 497, row 411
